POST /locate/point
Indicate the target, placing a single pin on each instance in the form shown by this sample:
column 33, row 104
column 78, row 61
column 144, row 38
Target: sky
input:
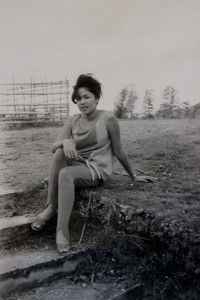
column 148, row 43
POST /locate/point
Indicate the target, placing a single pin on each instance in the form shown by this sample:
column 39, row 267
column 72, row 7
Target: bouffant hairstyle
column 91, row 84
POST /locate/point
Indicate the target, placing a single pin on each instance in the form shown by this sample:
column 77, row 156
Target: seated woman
column 83, row 157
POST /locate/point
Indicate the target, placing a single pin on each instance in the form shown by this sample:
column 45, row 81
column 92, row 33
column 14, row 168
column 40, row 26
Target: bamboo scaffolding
column 50, row 97
column 35, row 83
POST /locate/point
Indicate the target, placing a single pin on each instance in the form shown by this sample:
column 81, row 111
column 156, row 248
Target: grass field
column 170, row 146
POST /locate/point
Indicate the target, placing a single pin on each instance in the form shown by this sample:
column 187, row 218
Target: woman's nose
column 82, row 100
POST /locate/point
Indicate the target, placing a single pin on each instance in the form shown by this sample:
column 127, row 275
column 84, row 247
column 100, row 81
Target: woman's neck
column 90, row 117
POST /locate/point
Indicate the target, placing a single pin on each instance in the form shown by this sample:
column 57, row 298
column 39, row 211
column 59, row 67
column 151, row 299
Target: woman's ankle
column 61, row 237
column 48, row 212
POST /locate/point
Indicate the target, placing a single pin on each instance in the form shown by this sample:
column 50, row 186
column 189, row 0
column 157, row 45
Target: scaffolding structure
column 34, row 102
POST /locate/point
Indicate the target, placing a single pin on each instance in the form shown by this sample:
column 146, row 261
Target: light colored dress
column 94, row 145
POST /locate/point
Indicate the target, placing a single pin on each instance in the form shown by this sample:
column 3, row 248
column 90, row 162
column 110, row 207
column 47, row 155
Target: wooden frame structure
column 34, row 102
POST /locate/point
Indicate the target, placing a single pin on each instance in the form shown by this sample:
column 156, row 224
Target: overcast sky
column 149, row 43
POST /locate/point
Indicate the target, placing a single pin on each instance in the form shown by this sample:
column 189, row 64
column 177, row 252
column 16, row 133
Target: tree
column 169, row 108
column 148, row 104
column 131, row 99
column 124, row 107
column 186, row 109
column 120, row 105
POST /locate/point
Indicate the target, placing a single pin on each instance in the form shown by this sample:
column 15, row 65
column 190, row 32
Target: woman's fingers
column 71, row 154
column 69, row 149
column 151, row 179
column 145, row 179
column 68, row 154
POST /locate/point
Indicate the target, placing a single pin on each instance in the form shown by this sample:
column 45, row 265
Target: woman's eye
column 84, row 97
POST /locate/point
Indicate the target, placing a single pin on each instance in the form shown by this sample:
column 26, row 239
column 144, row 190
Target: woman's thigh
column 81, row 176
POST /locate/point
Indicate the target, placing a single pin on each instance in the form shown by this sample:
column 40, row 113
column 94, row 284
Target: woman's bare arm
column 64, row 141
column 114, row 133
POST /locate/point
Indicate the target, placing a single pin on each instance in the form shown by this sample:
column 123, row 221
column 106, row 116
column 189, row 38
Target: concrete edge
column 26, row 270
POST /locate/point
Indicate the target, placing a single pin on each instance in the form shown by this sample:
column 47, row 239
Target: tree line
column 170, row 106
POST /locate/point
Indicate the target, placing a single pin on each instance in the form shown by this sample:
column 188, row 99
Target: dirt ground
column 166, row 149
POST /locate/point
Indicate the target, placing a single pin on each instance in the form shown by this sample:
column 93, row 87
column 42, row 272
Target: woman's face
column 86, row 101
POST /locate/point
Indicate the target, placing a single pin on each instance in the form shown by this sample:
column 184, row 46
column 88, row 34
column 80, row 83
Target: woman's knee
column 59, row 155
column 65, row 176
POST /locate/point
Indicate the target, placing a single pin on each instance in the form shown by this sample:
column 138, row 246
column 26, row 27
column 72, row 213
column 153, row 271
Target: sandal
column 39, row 224
column 63, row 247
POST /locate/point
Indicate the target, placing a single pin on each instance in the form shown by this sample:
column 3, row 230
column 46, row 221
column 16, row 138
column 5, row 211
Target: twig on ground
column 142, row 172
column 132, row 235
column 120, row 173
column 92, row 277
column 165, row 173
column 125, row 174
column 145, row 196
column 134, row 243
column 174, row 284
column 86, row 215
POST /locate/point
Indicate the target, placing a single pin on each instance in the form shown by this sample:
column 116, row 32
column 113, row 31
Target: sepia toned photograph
column 100, row 150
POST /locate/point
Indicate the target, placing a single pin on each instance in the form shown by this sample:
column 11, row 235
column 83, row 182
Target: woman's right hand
column 144, row 179
column 69, row 149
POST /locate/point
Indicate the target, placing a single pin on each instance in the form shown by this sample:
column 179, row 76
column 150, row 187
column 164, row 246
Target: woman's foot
column 42, row 218
column 62, row 242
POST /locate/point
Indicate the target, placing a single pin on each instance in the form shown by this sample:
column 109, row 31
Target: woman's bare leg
column 59, row 162
column 67, row 178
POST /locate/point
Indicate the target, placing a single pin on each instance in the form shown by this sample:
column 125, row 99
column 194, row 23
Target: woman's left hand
column 144, row 179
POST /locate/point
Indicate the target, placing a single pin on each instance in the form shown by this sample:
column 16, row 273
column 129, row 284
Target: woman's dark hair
column 88, row 82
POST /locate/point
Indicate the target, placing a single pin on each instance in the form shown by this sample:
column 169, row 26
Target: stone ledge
column 13, row 227
column 4, row 191
column 26, row 269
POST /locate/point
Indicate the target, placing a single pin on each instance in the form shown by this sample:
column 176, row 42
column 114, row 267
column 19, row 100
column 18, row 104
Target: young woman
column 83, row 157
